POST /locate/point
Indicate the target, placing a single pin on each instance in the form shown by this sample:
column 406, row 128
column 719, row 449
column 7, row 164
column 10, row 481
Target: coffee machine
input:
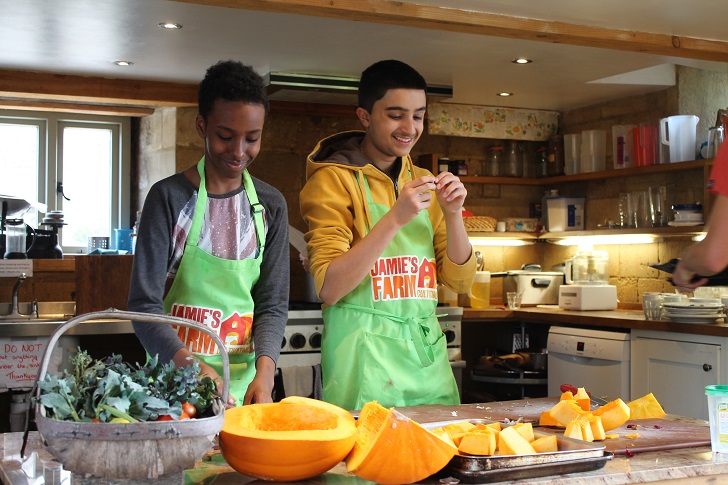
column 19, row 240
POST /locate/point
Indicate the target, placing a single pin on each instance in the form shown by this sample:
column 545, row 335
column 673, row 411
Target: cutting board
column 654, row 434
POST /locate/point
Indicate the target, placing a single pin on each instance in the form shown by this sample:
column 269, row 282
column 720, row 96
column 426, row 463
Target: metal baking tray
column 573, row 456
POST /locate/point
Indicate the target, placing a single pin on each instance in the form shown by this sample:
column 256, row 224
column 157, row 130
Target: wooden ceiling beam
column 54, row 106
column 467, row 21
column 43, row 87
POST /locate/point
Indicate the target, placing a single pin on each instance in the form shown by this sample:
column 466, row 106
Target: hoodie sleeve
column 327, row 207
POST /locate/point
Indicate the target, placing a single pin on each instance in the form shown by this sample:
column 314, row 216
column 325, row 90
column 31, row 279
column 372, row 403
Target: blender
column 587, row 282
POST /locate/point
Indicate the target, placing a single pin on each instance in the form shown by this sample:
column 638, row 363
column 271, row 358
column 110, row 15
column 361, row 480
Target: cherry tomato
column 189, row 409
column 95, row 420
column 184, row 415
column 164, row 417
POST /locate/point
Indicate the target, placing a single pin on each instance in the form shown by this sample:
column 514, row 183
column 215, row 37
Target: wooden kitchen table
column 677, row 451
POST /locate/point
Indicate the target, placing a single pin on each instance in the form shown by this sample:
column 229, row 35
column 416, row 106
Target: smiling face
column 394, row 125
column 232, row 134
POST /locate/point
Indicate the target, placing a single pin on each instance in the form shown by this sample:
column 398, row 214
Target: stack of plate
column 54, row 217
column 693, row 312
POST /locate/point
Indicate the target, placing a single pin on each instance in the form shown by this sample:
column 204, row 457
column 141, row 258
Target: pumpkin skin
column 390, row 448
column 294, row 439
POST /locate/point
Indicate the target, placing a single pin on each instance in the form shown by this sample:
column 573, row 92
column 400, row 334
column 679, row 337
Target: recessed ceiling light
column 123, row 63
column 505, row 94
column 521, row 60
column 169, row 25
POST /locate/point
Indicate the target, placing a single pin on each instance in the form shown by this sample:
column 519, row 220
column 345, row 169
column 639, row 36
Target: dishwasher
column 597, row 360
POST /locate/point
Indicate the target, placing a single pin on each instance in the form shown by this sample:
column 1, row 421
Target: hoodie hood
column 342, row 149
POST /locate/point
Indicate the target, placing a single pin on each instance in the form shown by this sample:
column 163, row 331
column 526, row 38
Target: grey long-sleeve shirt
column 167, row 215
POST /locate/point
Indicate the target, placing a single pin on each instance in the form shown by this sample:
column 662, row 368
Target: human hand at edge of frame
column 686, row 280
column 450, row 192
column 206, row 370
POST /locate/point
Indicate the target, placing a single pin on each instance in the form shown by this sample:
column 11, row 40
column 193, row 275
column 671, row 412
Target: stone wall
column 289, row 137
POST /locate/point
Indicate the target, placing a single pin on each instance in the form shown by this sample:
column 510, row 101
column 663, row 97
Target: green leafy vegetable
column 103, row 390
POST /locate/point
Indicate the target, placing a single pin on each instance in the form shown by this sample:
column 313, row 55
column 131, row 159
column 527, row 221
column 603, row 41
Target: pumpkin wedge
column 645, row 407
column 390, row 448
column 294, row 439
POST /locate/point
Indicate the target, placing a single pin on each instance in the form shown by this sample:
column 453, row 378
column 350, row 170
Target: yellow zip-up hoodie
column 334, row 205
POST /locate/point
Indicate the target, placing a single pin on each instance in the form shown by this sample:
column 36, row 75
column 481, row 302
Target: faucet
column 15, row 306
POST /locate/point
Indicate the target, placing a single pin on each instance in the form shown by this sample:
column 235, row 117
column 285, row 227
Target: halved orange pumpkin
column 294, row 439
column 390, row 448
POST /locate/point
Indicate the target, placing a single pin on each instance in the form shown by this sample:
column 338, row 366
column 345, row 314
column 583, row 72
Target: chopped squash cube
column 614, row 414
column 525, row 430
column 479, row 442
column 510, row 442
column 566, row 411
column 547, row 444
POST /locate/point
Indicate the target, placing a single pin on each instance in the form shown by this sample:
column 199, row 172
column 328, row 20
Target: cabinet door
column 676, row 373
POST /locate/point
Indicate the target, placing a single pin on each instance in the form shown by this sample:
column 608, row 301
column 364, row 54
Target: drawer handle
column 707, row 367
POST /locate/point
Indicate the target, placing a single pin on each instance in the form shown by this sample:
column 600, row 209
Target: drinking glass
column 626, row 213
column 652, row 305
column 514, row 300
column 641, row 209
column 658, row 205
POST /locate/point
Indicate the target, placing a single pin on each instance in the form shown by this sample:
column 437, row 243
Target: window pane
column 87, row 162
column 19, row 163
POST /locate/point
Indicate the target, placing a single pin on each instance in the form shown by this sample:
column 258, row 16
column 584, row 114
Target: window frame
column 50, row 159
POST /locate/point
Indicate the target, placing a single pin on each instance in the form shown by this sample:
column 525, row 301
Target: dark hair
column 231, row 81
column 382, row 76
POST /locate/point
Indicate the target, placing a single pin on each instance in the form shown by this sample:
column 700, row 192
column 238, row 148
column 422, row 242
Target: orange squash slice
column 645, row 407
column 390, row 448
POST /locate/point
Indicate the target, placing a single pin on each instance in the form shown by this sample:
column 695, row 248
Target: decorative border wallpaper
column 491, row 122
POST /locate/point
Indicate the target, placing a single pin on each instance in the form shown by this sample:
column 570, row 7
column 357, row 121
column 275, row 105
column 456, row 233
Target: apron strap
column 257, row 208
column 417, row 330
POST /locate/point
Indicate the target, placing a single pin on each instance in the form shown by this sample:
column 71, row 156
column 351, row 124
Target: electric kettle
column 16, row 239
column 588, row 268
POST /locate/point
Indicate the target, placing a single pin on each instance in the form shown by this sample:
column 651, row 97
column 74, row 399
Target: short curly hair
column 231, row 81
column 382, row 76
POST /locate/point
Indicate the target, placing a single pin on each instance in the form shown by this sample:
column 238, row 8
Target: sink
column 47, row 311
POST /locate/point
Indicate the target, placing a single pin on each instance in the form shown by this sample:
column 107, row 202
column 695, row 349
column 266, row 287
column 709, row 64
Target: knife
column 719, row 279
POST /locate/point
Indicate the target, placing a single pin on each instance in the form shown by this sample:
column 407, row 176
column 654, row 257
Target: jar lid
column 496, row 147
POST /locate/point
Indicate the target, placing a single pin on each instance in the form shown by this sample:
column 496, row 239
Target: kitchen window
column 88, row 155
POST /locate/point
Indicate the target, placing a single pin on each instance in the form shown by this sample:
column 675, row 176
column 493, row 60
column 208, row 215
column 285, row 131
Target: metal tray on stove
column 573, row 456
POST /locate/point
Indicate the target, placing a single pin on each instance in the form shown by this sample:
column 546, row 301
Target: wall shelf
column 657, row 232
column 429, row 161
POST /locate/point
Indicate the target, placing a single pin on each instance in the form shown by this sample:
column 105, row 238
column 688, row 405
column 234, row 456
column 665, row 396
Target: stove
column 302, row 337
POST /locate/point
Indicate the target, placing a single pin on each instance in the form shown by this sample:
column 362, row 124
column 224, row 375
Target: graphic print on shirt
column 236, row 330
column 404, row 278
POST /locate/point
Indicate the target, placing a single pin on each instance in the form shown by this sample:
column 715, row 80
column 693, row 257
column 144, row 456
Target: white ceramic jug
column 677, row 138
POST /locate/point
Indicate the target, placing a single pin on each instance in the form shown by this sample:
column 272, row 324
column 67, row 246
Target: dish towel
column 302, row 381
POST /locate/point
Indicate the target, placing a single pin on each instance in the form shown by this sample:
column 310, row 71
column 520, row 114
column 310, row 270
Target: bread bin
column 537, row 287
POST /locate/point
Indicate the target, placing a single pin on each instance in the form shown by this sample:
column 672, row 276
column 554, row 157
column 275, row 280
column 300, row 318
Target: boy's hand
column 450, row 192
column 413, row 197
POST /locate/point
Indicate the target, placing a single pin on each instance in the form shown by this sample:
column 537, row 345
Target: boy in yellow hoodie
column 382, row 232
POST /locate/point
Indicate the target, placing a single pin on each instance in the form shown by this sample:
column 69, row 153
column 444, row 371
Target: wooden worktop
column 624, row 319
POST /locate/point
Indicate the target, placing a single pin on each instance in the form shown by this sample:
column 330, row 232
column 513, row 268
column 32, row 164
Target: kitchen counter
column 625, row 319
column 695, row 463
column 547, row 314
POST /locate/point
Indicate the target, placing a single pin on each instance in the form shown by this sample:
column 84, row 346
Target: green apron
column 217, row 293
column 382, row 341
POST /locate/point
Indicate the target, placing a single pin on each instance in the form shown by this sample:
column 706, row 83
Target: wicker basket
column 479, row 223
column 134, row 450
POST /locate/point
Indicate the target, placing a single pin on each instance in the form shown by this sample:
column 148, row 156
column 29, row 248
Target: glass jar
column 542, row 162
column 556, row 155
column 514, row 160
column 529, row 162
column 494, row 161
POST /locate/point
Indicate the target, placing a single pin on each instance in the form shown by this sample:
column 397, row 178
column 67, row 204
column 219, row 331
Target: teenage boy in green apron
column 213, row 245
column 382, row 232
